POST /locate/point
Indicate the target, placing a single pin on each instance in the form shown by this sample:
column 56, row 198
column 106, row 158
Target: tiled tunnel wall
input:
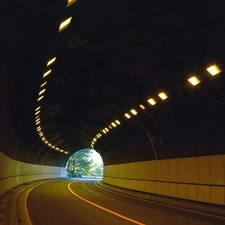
column 196, row 178
column 13, row 172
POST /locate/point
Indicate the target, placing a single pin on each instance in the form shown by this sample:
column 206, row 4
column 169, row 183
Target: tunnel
column 141, row 82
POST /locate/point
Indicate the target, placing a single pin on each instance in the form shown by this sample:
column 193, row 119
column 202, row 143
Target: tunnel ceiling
column 112, row 57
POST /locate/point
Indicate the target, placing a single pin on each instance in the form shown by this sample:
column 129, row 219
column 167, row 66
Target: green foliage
column 80, row 164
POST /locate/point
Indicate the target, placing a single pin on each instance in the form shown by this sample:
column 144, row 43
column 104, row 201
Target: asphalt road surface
column 83, row 202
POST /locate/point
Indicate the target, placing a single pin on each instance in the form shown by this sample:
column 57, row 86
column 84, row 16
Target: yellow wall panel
column 158, row 170
column 173, row 170
column 182, row 191
column 165, row 170
column 192, row 171
column 203, row 193
column 217, row 195
column 217, row 169
column 203, row 170
column 172, row 190
column 182, row 170
column 165, row 188
column 192, row 192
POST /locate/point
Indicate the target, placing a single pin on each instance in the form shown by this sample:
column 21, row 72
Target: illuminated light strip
column 39, row 99
column 152, row 101
column 103, row 208
column 163, row 96
column 47, row 73
column 118, row 122
column 141, row 106
column 42, row 91
column 70, row 2
column 51, row 61
column 213, row 70
column 37, row 108
column 113, row 124
column 127, row 115
column 65, row 24
column 37, row 112
column 194, row 80
column 44, row 84
column 134, row 112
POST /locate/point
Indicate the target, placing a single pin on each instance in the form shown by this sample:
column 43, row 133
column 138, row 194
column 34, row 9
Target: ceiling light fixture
column 47, row 73
column 163, row 96
column 133, row 111
column 113, row 124
column 65, row 24
column 42, row 91
column 44, row 84
column 152, row 101
column 70, row 2
column 213, row 70
column 118, row 122
column 127, row 115
column 39, row 99
column 194, row 80
column 37, row 108
column 141, row 106
column 37, row 112
column 51, row 61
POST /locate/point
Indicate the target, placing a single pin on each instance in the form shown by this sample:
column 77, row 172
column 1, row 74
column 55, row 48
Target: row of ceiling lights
column 37, row 112
column 213, row 70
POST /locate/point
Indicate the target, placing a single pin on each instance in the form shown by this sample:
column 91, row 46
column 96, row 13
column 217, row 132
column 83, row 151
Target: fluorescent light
column 38, row 122
column 106, row 129
column 113, row 124
column 213, row 70
column 47, row 73
column 194, row 80
column 46, row 142
column 141, row 106
column 127, row 115
column 117, row 121
column 51, row 61
column 65, row 24
column 38, row 119
column 94, row 139
column 39, row 127
column 92, row 146
column 37, row 112
column 37, row 108
column 67, row 153
column 163, row 96
column 60, row 150
column 39, row 99
column 43, row 138
column 44, row 84
column 70, row 2
column 42, row 91
column 133, row 111
column 152, row 101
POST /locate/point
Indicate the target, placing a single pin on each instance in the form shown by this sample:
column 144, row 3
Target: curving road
column 83, row 202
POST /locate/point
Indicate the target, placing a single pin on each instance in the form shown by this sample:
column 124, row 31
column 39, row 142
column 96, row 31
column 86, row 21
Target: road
column 83, row 202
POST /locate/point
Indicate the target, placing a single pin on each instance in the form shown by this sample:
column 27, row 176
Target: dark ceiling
column 114, row 56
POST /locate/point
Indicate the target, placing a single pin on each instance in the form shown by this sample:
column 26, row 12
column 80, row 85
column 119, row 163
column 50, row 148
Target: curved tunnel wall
column 195, row 178
column 13, row 172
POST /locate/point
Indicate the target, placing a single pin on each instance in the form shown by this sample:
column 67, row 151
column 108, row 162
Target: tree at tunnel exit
column 79, row 163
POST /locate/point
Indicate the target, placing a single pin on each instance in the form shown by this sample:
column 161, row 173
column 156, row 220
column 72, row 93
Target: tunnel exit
column 85, row 163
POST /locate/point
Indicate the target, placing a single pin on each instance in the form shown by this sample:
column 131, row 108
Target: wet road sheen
column 82, row 202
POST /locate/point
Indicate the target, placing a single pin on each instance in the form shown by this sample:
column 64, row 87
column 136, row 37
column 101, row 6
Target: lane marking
column 158, row 203
column 105, row 209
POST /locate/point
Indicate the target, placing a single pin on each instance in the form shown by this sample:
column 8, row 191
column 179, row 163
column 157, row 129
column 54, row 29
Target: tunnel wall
column 196, row 178
column 13, row 172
